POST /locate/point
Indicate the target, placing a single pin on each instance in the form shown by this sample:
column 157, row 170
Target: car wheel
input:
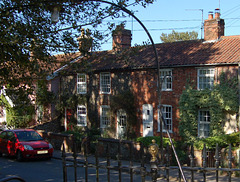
column 19, row 156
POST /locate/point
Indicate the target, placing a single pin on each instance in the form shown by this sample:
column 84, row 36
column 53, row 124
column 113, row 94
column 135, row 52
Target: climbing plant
column 20, row 114
column 43, row 96
column 222, row 99
column 125, row 101
column 70, row 101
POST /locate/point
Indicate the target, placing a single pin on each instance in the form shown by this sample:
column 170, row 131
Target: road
column 50, row 171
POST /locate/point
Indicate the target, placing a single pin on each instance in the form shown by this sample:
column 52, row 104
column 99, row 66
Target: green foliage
column 20, row 114
column 43, row 96
column 125, row 101
column 70, row 101
column 29, row 37
column 178, row 36
column 221, row 99
column 18, row 121
column 80, row 132
column 222, row 140
column 146, row 141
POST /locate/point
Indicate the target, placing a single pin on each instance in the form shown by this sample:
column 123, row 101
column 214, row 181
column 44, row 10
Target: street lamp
column 162, row 121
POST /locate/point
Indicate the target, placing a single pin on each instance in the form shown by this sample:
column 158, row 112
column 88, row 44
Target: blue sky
column 163, row 16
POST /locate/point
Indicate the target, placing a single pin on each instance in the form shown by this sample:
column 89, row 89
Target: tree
column 29, row 38
column 178, row 36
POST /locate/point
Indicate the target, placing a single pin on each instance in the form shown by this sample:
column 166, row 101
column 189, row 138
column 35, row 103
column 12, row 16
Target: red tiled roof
column 186, row 53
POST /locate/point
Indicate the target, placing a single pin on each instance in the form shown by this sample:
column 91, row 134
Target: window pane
column 81, row 84
column 167, row 115
column 105, row 116
column 105, row 83
column 204, row 124
column 166, row 79
column 82, row 115
column 205, row 78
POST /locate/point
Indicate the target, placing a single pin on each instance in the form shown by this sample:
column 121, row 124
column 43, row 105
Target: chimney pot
column 217, row 13
column 210, row 15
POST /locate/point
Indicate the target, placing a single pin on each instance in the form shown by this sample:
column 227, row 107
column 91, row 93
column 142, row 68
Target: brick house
column 106, row 74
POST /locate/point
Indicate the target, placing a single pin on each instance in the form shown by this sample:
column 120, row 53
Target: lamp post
column 160, row 116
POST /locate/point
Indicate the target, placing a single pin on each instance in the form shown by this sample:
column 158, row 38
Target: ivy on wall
column 70, row 101
column 125, row 101
column 222, row 99
column 20, row 114
column 43, row 96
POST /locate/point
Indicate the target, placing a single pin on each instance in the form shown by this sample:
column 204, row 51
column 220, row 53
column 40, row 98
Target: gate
column 147, row 169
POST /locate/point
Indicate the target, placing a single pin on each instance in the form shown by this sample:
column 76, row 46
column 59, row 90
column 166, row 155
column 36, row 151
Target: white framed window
column 104, row 116
column 122, row 118
column 81, row 115
column 40, row 113
column 203, row 123
column 167, row 115
column 105, row 83
column 205, row 78
column 81, row 83
column 166, row 79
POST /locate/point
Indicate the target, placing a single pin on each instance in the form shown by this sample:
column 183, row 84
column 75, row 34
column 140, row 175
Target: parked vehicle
column 24, row 144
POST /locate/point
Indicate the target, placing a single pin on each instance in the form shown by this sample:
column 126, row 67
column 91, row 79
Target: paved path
column 198, row 176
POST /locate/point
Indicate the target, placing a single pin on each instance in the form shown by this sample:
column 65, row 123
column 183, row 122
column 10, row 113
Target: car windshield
column 25, row 136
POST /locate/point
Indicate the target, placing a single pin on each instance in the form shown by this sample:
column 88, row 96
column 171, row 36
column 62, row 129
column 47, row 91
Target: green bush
column 79, row 133
column 233, row 138
column 146, row 141
column 222, row 141
column 78, row 136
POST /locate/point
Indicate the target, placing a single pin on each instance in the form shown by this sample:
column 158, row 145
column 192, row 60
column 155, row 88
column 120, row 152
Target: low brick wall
column 111, row 147
column 57, row 140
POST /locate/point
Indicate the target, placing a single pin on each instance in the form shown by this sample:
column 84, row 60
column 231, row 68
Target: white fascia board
column 55, row 73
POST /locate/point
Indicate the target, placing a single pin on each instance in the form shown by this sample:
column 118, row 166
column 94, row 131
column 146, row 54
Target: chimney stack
column 121, row 38
column 213, row 27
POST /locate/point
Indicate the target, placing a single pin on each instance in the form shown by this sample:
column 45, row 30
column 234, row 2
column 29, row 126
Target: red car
column 24, row 144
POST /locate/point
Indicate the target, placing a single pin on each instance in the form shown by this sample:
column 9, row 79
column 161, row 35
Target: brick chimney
column 213, row 27
column 121, row 38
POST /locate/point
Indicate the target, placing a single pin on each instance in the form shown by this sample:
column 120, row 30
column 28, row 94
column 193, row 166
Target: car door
column 3, row 142
column 11, row 143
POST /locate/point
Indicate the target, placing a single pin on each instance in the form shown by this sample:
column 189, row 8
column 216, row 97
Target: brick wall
column 143, row 84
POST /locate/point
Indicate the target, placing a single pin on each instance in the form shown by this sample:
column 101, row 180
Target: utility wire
column 230, row 11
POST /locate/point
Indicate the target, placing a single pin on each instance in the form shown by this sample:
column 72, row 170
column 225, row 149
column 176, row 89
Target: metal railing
column 146, row 167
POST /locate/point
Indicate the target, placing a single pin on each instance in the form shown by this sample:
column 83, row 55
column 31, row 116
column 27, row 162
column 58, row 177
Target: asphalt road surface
column 51, row 171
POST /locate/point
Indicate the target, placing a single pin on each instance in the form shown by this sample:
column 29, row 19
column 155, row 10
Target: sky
column 163, row 16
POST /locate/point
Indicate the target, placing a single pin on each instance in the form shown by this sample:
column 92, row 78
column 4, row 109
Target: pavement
column 174, row 173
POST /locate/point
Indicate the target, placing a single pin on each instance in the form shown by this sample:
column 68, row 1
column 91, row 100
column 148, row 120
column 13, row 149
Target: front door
column 122, row 123
column 147, row 110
